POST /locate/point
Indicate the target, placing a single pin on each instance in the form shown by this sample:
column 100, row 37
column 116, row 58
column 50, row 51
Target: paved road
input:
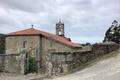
column 107, row 69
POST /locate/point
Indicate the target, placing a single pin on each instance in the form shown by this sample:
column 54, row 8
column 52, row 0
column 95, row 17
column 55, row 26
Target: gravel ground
column 6, row 76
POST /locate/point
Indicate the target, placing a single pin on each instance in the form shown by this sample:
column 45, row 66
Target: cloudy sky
column 85, row 20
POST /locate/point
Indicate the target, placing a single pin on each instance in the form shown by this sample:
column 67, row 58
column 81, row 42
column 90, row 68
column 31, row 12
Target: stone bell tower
column 60, row 29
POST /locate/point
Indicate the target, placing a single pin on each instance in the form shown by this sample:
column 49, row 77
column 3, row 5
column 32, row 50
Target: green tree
column 113, row 33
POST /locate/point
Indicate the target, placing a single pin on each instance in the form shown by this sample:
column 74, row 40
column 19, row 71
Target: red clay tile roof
column 32, row 31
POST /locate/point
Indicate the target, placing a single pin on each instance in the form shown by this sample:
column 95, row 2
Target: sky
column 85, row 20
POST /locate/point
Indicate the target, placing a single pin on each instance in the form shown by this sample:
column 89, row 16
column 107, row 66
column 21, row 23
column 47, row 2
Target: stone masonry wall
column 1, row 63
column 103, row 48
column 12, row 63
column 14, row 44
column 49, row 45
column 64, row 62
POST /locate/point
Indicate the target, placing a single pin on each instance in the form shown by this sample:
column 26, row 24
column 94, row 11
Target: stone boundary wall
column 56, row 62
column 12, row 63
column 103, row 48
column 65, row 62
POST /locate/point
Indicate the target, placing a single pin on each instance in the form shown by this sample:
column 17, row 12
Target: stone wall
column 49, row 45
column 13, row 63
column 16, row 44
column 103, row 48
column 65, row 62
column 56, row 62
column 2, row 57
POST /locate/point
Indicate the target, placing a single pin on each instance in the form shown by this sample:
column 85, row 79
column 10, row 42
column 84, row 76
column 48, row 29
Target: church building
column 37, row 41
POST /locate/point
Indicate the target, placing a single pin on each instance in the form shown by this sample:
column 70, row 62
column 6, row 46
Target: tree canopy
column 113, row 33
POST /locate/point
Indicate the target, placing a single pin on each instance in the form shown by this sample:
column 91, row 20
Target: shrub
column 32, row 65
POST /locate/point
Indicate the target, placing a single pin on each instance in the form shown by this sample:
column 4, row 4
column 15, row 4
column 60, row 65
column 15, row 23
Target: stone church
column 40, row 42
column 31, row 39
column 53, row 53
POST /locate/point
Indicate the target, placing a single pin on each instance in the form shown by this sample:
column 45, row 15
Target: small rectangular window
column 24, row 44
column 51, row 43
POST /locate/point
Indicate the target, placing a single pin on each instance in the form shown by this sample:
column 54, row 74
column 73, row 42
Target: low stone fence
column 103, row 48
column 12, row 63
column 65, row 62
